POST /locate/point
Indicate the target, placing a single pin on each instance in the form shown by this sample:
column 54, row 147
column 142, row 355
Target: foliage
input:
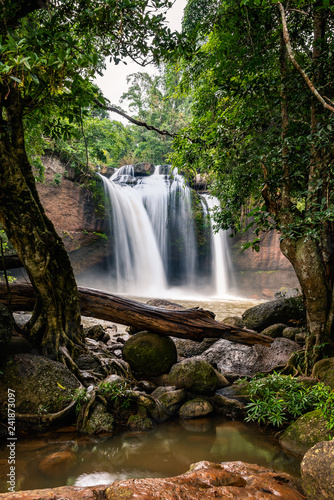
column 278, row 399
column 118, row 394
column 81, row 398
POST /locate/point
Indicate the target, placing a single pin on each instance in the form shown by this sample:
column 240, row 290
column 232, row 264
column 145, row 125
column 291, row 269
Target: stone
column 58, row 464
column 150, row 354
column 324, row 371
column 40, row 384
column 228, row 480
column 187, row 348
column 317, row 471
column 234, row 321
column 275, row 330
column 196, row 408
column 290, row 332
column 195, row 375
column 100, row 421
column 170, row 401
column 95, row 332
column 249, row 360
column 139, row 423
column 229, row 408
column 289, row 311
column 305, row 432
column 6, row 331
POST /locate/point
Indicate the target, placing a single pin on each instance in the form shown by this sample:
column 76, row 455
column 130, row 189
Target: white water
column 155, row 249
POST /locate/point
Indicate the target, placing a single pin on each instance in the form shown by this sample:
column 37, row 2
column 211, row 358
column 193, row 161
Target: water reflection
column 166, row 451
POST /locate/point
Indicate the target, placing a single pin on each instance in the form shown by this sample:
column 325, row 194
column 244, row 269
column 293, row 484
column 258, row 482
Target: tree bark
column 55, row 324
column 195, row 324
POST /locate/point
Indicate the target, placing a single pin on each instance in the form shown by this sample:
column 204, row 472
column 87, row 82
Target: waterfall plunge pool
column 165, row 451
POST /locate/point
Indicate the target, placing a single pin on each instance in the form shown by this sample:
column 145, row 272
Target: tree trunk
column 55, row 323
column 307, row 260
column 194, row 324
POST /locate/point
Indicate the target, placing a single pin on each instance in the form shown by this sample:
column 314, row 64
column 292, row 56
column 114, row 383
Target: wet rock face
column 318, row 472
column 150, row 354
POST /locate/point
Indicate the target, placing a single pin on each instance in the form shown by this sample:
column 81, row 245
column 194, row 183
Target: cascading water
column 161, row 240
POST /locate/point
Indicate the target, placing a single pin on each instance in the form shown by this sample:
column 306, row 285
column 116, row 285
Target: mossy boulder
column 196, row 408
column 323, row 370
column 305, row 432
column 100, row 421
column 195, row 375
column 290, row 311
column 275, row 330
column 318, row 472
column 40, row 384
column 150, row 354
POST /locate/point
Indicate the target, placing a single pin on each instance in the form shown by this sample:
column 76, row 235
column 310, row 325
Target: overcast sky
column 113, row 82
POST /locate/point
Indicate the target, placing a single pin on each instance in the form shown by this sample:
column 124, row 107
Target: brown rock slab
column 207, row 480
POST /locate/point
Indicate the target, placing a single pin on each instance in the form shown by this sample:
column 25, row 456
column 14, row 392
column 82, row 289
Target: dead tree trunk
column 195, row 324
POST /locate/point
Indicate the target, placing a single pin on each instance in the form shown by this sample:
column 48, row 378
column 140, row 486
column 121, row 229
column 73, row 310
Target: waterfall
column 161, row 240
column 221, row 258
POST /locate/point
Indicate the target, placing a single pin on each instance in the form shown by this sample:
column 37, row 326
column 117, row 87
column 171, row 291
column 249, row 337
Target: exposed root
column 85, row 410
column 47, row 419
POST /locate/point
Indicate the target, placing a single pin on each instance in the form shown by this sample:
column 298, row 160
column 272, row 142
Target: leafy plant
column 117, row 393
column 277, row 399
column 80, row 396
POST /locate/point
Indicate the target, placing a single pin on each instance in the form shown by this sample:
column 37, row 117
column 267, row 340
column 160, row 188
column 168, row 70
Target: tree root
column 47, row 419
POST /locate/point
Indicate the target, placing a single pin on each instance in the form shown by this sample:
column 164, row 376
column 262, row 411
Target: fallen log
column 10, row 262
column 194, row 324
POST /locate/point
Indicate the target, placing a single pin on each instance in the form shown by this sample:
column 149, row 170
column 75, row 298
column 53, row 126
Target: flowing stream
column 162, row 241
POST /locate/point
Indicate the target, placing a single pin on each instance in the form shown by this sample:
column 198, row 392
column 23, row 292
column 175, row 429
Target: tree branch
column 308, row 82
column 113, row 109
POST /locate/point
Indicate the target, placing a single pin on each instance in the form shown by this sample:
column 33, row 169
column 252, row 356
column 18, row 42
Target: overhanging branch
column 300, row 70
column 140, row 123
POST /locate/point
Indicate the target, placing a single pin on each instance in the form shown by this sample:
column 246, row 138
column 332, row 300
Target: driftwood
column 195, row 324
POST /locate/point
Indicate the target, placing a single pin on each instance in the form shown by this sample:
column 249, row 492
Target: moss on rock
column 150, row 354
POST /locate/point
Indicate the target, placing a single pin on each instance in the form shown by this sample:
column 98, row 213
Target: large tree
column 263, row 129
column 49, row 53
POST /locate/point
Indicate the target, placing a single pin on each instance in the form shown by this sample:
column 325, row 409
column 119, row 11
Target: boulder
column 95, row 332
column 275, row 330
column 324, row 371
column 317, row 471
column 289, row 311
column 305, row 432
column 187, row 348
column 6, row 331
column 234, row 321
column 144, row 168
column 195, row 375
column 100, row 421
column 170, row 401
column 229, row 408
column 248, row 360
column 150, row 354
column 196, row 408
column 40, row 384
column 290, row 332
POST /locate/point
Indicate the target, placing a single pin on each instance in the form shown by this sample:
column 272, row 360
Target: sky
column 113, row 82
